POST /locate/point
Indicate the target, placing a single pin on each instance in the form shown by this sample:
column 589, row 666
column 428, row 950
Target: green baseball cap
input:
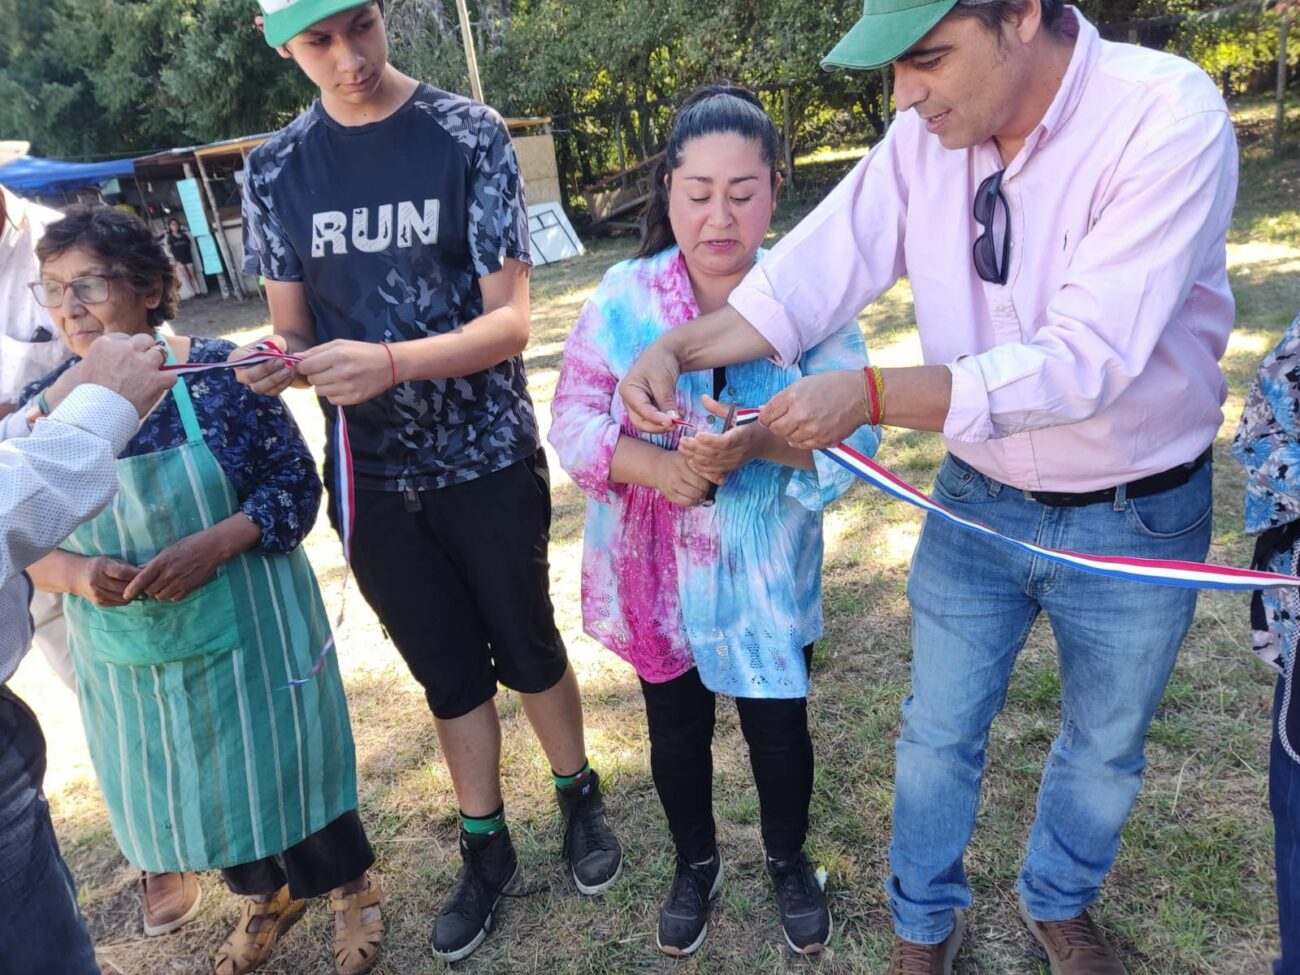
column 286, row 18
column 885, row 31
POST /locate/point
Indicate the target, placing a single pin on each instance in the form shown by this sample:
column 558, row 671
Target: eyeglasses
column 992, row 264
column 89, row 288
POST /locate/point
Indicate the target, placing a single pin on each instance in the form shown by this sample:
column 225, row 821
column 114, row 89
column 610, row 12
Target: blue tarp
column 30, row 175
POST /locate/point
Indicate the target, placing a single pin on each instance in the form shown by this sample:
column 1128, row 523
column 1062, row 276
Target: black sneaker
column 684, row 916
column 466, row 916
column 805, row 918
column 591, row 849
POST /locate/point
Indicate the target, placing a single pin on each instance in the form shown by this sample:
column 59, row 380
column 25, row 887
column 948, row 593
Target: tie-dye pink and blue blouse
column 733, row 589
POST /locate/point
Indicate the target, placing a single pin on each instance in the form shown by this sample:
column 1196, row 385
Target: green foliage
column 424, row 41
column 1239, row 52
column 86, row 78
column 223, row 81
column 97, row 77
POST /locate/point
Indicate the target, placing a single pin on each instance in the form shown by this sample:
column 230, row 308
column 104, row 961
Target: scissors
column 728, row 424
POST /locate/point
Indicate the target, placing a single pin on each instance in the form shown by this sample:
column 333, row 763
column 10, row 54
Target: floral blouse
column 1268, row 446
column 254, row 438
column 733, row 589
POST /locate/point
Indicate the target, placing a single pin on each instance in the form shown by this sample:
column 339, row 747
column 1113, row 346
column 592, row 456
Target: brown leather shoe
column 1074, row 947
column 169, row 900
column 913, row 959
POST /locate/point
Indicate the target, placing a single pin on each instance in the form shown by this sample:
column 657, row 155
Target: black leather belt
column 1141, row 488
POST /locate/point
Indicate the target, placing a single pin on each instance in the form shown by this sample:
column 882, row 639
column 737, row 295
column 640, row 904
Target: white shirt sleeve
column 60, row 475
column 63, row 473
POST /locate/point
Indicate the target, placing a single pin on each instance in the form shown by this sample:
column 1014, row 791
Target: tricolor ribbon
column 1162, row 572
column 263, row 352
column 343, row 480
column 344, row 494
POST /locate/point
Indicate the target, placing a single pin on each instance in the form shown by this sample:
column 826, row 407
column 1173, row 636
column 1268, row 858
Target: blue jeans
column 40, row 927
column 974, row 600
column 1284, row 800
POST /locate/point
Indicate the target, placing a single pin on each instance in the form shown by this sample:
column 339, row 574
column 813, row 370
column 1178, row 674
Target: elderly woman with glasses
column 191, row 607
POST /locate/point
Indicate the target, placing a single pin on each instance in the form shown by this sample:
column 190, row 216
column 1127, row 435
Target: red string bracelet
column 392, row 363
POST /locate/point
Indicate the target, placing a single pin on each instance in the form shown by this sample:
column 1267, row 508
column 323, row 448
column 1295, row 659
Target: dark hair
column 709, row 110
column 124, row 242
column 994, row 13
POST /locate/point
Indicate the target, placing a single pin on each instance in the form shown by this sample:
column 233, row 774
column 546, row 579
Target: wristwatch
column 38, row 408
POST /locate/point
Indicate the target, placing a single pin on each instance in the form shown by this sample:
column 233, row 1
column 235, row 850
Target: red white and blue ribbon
column 262, row 352
column 343, row 480
column 1163, row 572
column 346, row 499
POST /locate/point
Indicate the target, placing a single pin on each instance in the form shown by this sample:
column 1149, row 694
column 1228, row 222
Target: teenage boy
column 389, row 222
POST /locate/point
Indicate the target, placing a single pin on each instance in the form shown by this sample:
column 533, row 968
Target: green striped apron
column 205, row 756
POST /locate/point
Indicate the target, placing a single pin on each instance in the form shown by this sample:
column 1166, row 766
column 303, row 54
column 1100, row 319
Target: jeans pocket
column 957, row 482
column 1178, row 511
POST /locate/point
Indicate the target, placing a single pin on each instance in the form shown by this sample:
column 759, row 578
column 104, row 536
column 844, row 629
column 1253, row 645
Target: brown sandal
column 356, row 944
column 246, row 950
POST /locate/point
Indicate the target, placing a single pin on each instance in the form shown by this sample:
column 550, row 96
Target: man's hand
column 817, row 411
column 103, row 580
column 679, row 484
column 179, row 569
column 649, row 389
column 346, row 372
column 127, row 364
column 715, row 455
column 266, row 378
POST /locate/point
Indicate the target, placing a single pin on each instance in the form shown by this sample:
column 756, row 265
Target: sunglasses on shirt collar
column 991, row 263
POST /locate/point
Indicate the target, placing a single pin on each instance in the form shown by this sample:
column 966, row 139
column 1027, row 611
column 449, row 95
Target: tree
column 223, row 81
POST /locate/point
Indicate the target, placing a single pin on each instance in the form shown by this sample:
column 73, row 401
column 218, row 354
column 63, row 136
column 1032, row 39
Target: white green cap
column 286, row 18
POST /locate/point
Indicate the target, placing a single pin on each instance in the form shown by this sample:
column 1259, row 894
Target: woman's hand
column 103, row 580
column 714, row 455
column 179, row 569
column 346, row 372
column 679, row 484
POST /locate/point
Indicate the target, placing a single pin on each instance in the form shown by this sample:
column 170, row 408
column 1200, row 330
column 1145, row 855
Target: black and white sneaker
column 591, row 849
column 684, row 916
column 805, row 916
column 489, row 864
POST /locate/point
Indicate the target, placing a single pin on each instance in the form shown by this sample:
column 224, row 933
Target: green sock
column 484, row 825
column 562, row 780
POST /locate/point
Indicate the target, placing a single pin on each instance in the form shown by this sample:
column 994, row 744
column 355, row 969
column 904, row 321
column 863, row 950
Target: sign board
column 208, row 253
column 188, row 189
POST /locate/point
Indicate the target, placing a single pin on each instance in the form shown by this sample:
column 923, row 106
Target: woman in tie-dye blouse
column 704, row 594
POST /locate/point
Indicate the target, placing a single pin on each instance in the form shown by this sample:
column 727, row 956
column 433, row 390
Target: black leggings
column 681, row 716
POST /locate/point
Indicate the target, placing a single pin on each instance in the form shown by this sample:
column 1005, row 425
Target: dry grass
column 1190, row 894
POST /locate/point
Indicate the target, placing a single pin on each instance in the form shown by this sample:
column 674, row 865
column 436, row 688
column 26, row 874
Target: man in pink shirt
column 1060, row 205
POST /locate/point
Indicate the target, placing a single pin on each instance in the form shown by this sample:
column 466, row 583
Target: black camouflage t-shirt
column 390, row 226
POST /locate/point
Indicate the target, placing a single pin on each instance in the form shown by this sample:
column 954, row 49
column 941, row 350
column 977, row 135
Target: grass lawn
column 1191, row 892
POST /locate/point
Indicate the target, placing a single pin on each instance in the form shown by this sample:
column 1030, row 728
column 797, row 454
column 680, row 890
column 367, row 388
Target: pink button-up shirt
column 1097, row 362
